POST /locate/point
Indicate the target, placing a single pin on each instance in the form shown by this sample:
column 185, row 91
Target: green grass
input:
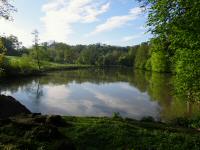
column 91, row 133
column 27, row 66
column 108, row 133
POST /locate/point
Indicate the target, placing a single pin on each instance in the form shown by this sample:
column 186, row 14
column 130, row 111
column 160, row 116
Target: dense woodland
column 95, row 54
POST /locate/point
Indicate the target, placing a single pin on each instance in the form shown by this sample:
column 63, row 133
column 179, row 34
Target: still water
column 100, row 92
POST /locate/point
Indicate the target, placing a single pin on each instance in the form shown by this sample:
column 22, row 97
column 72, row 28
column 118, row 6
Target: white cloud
column 12, row 28
column 60, row 15
column 117, row 21
column 93, row 13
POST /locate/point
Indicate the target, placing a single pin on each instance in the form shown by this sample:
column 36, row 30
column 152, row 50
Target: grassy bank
column 24, row 66
column 45, row 132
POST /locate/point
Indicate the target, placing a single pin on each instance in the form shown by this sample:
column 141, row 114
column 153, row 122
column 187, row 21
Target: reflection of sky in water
column 87, row 99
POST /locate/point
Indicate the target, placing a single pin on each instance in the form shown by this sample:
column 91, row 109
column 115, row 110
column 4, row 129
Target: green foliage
column 142, row 55
column 2, row 47
column 106, row 133
column 26, row 65
column 148, row 65
column 187, row 79
column 11, row 46
column 95, row 54
column 22, row 65
column 159, row 61
column 1, row 64
column 193, row 122
column 31, row 132
column 175, row 26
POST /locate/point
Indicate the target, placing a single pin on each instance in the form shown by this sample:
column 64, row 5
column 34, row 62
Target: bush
column 22, row 65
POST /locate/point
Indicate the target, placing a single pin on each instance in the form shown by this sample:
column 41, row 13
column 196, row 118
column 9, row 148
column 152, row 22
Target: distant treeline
column 94, row 54
column 142, row 56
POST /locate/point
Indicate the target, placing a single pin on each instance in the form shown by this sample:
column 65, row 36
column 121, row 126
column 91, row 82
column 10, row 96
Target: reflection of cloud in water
column 136, row 106
column 94, row 100
column 87, row 99
column 57, row 92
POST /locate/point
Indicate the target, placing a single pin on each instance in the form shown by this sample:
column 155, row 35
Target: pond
column 100, row 92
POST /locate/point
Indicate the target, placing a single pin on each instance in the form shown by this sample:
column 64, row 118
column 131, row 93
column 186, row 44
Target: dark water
column 101, row 92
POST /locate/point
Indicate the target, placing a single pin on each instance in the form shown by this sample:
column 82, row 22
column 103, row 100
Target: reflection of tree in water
column 161, row 89
column 36, row 91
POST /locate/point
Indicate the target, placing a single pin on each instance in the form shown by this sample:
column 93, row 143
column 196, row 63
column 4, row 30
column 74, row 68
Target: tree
column 36, row 40
column 176, row 24
column 6, row 9
column 2, row 47
column 142, row 55
column 5, row 12
column 12, row 45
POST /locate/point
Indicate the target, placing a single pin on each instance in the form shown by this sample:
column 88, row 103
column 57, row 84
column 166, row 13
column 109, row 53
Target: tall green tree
column 176, row 23
column 142, row 55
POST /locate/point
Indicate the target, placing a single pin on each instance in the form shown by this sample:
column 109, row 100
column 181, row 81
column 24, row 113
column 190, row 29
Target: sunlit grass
column 26, row 65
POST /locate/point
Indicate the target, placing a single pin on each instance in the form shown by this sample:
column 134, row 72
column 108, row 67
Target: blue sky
column 115, row 22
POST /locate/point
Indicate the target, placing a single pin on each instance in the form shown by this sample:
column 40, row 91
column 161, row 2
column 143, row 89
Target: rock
column 10, row 107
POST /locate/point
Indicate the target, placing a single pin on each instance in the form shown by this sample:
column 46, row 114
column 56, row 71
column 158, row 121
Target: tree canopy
column 175, row 26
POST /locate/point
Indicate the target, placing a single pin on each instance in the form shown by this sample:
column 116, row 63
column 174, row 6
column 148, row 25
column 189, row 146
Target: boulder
column 10, row 107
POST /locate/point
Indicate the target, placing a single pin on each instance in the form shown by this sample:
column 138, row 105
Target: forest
column 94, row 54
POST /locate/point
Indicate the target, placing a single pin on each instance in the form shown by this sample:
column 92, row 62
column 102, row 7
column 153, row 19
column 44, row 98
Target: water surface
column 100, row 92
